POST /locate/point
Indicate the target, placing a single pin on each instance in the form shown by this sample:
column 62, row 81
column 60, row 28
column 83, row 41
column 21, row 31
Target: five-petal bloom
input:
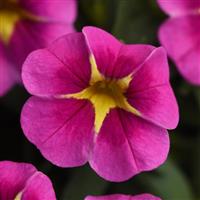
column 27, row 25
column 180, row 36
column 98, row 100
column 22, row 181
column 123, row 197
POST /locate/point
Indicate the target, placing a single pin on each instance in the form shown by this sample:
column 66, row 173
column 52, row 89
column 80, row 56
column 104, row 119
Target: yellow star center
column 10, row 14
column 18, row 197
column 104, row 94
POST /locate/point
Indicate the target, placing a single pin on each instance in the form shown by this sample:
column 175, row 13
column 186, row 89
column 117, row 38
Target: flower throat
column 105, row 94
column 10, row 13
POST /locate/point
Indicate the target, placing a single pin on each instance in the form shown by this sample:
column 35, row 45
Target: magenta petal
column 38, row 187
column 130, row 58
column 157, row 105
column 104, row 47
column 64, row 131
column 153, row 72
column 123, row 197
column 113, row 58
column 62, row 10
column 23, row 179
column 31, row 36
column 62, row 68
column 127, row 145
column 181, row 39
column 153, row 95
column 179, row 7
column 13, row 177
column 189, row 65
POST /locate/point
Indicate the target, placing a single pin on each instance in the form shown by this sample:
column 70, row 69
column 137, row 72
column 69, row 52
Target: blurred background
column 132, row 21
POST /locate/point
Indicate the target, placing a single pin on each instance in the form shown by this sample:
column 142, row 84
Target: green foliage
column 169, row 183
column 82, row 183
column 134, row 23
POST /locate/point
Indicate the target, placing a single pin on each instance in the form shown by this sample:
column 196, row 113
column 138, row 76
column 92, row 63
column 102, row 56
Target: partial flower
column 180, row 36
column 22, row 181
column 27, row 25
column 100, row 101
column 123, row 197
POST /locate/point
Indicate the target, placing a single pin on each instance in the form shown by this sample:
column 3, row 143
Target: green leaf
column 136, row 22
column 98, row 12
column 84, row 182
column 197, row 94
column 196, row 167
column 169, row 183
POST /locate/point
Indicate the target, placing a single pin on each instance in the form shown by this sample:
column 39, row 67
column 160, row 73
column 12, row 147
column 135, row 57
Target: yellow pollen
column 10, row 14
column 7, row 23
column 104, row 94
column 18, row 197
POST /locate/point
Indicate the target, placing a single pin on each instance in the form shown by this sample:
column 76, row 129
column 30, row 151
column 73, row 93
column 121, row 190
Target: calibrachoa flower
column 123, row 197
column 27, row 25
column 22, row 181
column 101, row 101
column 180, row 36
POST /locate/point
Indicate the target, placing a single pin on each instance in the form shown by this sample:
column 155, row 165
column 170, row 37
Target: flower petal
column 64, row 131
column 189, row 65
column 63, row 68
column 114, row 59
column 179, row 7
column 104, row 47
column 38, row 187
column 157, row 105
column 130, row 58
column 181, row 39
column 13, row 177
column 153, row 72
column 62, row 10
column 31, row 36
column 123, row 197
column 128, row 148
column 152, row 96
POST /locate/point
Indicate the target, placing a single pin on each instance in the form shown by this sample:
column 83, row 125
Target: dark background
column 132, row 21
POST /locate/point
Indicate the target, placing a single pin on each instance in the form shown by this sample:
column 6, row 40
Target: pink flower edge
column 22, row 179
column 123, row 197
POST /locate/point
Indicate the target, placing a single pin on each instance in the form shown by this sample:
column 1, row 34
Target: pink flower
column 21, row 181
column 27, row 25
column 180, row 36
column 101, row 101
column 123, row 197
